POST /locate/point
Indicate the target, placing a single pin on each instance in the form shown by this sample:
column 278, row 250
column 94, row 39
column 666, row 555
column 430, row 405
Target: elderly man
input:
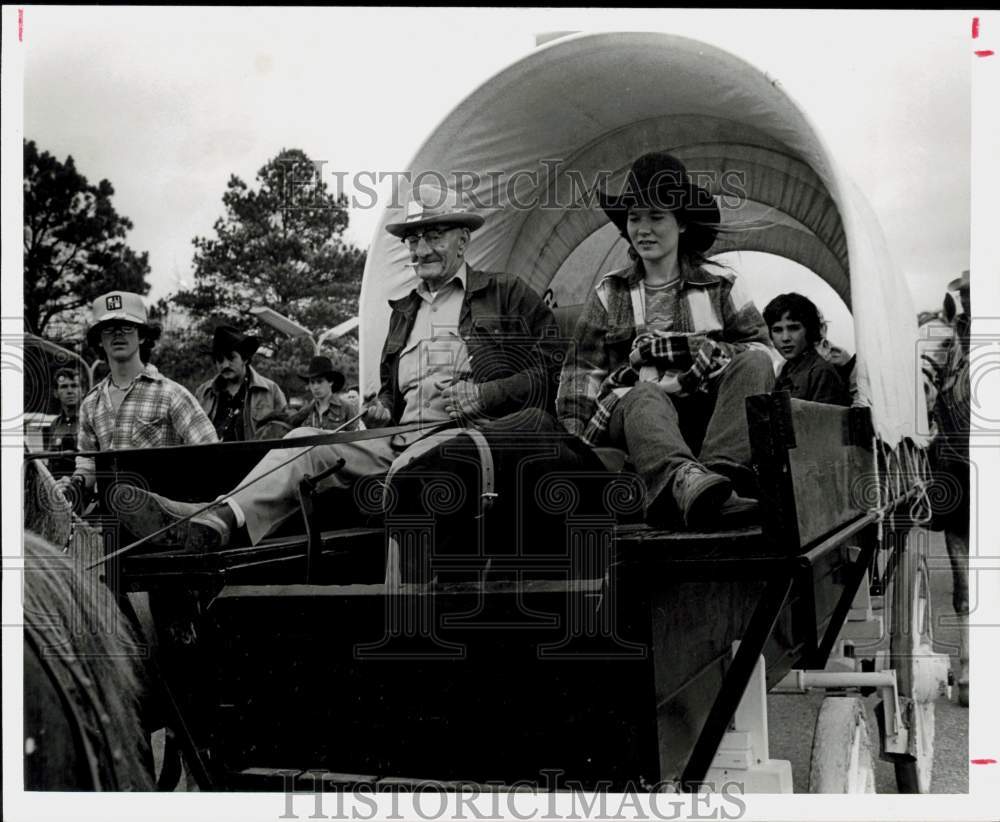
column 238, row 399
column 135, row 406
column 464, row 346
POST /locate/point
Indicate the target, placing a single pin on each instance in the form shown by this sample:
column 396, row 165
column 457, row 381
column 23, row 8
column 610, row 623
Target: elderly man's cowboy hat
column 228, row 339
column 960, row 283
column 659, row 180
column 323, row 367
column 432, row 204
column 115, row 306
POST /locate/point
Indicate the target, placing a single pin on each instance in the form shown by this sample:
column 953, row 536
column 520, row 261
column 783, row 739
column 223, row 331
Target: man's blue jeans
column 659, row 430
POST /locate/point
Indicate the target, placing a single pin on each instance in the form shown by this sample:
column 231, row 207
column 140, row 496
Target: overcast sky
column 166, row 103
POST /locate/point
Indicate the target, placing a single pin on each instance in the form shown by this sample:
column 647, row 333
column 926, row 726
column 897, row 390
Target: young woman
column 666, row 351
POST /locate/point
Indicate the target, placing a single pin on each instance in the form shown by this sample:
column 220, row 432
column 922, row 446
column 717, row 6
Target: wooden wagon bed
column 610, row 661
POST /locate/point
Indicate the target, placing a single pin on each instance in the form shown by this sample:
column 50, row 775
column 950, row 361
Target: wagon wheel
column 842, row 751
column 911, row 643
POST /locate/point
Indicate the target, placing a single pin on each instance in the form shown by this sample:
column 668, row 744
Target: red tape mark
column 984, row 762
column 975, row 27
column 984, row 53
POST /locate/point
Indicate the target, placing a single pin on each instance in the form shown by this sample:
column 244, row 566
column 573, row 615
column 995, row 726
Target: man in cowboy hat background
column 135, row 406
column 238, row 398
column 328, row 410
column 463, row 346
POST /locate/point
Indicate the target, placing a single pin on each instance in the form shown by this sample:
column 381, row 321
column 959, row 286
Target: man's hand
column 376, row 415
column 462, row 399
column 73, row 491
column 65, row 485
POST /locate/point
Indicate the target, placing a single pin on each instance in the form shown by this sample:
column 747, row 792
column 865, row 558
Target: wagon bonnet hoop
column 545, row 134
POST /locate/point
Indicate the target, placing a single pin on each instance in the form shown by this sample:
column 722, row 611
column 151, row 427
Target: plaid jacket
column 156, row 411
column 715, row 320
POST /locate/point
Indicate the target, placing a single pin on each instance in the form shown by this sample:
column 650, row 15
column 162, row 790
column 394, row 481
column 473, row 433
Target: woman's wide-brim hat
column 320, row 366
column 659, row 180
column 228, row 338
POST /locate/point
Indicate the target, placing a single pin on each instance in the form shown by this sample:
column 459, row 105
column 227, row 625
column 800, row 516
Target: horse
column 948, row 374
column 84, row 682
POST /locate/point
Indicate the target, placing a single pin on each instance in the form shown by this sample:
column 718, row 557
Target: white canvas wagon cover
column 530, row 142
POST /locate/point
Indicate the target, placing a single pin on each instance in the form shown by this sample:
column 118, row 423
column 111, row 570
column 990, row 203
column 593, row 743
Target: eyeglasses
column 123, row 328
column 431, row 236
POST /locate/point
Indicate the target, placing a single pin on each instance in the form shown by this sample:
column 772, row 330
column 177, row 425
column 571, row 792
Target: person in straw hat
column 667, row 351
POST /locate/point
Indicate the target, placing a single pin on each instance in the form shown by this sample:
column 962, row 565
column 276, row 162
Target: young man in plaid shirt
column 135, row 406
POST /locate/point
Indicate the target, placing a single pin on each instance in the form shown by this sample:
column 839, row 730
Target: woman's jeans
column 661, row 431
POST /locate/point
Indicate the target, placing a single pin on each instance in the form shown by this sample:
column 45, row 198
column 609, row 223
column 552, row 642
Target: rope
column 920, row 508
column 881, row 505
column 375, row 434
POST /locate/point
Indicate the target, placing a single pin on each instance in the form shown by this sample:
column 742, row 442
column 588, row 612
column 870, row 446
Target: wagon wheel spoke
column 911, row 649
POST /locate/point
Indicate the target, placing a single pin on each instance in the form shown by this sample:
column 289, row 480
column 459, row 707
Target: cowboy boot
column 176, row 524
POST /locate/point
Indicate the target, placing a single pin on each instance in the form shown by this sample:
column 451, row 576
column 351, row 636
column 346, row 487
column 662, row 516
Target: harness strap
column 488, row 495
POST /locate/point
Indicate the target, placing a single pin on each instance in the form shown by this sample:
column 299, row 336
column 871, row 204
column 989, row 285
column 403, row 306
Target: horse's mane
column 74, row 625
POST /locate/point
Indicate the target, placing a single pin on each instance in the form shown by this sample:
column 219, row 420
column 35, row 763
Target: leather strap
column 487, row 471
column 486, row 467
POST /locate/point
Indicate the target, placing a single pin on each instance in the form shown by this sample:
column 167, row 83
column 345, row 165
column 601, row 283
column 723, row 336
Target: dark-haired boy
column 794, row 324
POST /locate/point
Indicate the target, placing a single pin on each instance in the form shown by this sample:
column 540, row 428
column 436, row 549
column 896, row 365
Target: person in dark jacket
column 794, row 324
column 238, row 398
column 464, row 347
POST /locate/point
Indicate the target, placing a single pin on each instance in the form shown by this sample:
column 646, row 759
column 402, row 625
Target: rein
column 335, row 436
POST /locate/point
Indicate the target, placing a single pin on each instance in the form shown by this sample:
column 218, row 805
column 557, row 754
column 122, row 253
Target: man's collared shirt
column 228, row 418
column 61, row 436
column 434, row 355
column 155, row 411
column 336, row 414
